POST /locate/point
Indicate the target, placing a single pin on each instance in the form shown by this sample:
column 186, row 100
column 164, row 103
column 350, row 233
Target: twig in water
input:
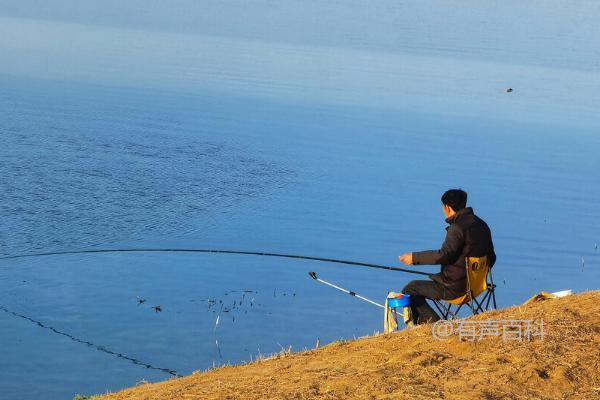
column 216, row 323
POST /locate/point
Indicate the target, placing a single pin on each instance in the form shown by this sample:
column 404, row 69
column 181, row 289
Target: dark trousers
column 419, row 291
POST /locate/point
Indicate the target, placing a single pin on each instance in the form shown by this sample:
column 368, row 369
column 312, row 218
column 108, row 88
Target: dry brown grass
column 413, row 365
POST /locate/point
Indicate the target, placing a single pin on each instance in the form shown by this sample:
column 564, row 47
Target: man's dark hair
column 455, row 198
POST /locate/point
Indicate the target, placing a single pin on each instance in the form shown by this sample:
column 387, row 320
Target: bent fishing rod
column 215, row 251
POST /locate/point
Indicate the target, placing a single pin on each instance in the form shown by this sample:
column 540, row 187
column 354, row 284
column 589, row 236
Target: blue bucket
column 403, row 301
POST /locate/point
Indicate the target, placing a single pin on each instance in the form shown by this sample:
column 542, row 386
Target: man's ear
column 448, row 209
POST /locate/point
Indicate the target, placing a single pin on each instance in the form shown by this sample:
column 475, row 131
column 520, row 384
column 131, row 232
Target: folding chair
column 479, row 280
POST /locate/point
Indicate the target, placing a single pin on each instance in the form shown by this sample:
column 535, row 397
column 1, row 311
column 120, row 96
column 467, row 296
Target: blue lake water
column 328, row 129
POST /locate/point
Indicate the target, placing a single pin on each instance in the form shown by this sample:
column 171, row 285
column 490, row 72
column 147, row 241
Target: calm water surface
column 328, row 129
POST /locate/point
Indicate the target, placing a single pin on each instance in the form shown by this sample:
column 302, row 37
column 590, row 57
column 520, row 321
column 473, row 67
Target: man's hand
column 406, row 258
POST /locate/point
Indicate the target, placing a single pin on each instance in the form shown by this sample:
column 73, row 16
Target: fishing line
column 174, row 250
column 90, row 344
column 218, row 251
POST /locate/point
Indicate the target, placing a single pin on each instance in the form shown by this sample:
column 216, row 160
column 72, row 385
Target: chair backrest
column 477, row 270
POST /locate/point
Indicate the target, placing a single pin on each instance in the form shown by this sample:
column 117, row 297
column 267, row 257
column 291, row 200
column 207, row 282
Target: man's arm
column 450, row 251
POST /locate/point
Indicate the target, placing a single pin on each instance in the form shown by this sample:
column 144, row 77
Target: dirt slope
column 413, row 364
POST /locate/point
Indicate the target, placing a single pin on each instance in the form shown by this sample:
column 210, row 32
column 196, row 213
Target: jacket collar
column 464, row 211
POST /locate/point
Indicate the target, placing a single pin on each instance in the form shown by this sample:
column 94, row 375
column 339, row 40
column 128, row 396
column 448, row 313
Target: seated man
column 467, row 236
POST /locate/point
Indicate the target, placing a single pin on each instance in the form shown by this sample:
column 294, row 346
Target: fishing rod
column 351, row 293
column 216, row 251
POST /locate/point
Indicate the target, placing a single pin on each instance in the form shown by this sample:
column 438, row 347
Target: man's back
column 478, row 238
column 468, row 236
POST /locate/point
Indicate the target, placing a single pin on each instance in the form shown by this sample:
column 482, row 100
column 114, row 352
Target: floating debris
column 509, row 90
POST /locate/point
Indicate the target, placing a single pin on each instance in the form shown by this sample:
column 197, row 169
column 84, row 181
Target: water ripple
column 65, row 189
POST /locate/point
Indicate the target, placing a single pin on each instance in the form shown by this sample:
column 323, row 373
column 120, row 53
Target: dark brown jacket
column 467, row 236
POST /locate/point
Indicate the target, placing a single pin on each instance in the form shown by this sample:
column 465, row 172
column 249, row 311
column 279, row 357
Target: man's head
column 454, row 200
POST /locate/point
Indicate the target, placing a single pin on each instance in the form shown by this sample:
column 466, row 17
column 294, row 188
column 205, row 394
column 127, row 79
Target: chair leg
column 455, row 312
column 492, row 286
column 441, row 309
column 470, row 302
column 491, row 297
column 487, row 298
column 479, row 308
column 445, row 311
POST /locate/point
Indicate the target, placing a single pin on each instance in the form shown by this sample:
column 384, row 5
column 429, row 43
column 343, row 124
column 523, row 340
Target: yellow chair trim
column 459, row 300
